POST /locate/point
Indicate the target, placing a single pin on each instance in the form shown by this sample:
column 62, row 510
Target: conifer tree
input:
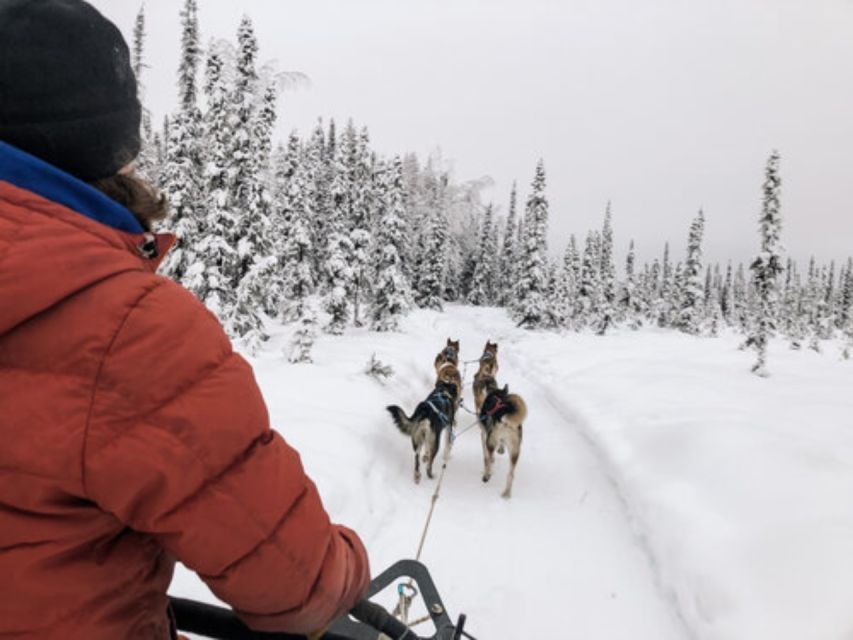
column 533, row 281
column 846, row 313
column 767, row 265
column 608, row 274
column 483, row 277
column 361, row 223
column 727, row 296
column 183, row 163
column 392, row 293
column 691, row 293
column 147, row 165
column 298, row 260
column 629, row 302
column 507, row 270
column 665, row 301
column 209, row 278
column 571, row 273
column 433, row 261
column 590, row 292
column 305, row 336
column 558, row 296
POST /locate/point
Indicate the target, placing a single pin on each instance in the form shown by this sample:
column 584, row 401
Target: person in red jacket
column 131, row 434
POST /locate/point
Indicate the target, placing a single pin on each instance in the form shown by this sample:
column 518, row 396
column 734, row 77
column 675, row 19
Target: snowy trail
column 559, row 559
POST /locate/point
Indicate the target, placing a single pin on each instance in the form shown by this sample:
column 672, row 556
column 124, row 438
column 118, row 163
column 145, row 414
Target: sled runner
column 366, row 621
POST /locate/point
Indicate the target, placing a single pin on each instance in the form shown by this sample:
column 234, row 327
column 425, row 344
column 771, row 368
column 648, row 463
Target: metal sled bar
column 371, row 619
column 350, row 629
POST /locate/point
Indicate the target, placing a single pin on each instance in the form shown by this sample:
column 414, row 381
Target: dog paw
column 486, row 478
column 506, row 494
column 501, row 449
column 417, row 478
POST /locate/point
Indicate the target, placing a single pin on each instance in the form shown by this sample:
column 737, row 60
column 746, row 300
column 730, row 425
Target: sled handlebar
column 365, row 621
column 377, row 617
column 223, row 624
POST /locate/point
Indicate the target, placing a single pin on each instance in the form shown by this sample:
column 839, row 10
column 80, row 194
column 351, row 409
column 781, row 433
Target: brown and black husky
column 447, row 368
column 501, row 423
column 450, row 354
column 485, row 378
column 424, row 426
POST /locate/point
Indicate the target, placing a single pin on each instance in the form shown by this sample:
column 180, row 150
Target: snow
column 663, row 491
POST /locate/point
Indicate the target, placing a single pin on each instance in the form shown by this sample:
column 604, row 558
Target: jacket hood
column 58, row 235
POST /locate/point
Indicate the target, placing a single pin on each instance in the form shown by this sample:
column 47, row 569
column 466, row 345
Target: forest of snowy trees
column 325, row 232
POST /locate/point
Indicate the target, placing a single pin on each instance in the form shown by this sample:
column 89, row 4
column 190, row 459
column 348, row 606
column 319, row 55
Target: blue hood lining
column 28, row 172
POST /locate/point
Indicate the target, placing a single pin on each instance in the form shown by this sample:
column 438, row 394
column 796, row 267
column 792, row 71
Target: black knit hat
column 67, row 90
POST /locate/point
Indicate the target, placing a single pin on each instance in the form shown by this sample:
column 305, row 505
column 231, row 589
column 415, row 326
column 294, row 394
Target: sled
column 366, row 621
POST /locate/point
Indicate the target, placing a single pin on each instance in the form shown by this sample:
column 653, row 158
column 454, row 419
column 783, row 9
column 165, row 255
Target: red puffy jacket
column 132, row 435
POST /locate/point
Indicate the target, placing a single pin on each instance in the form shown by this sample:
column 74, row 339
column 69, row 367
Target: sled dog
column 449, row 354
column 501, row 418
column 484, row 379
column 424, row 426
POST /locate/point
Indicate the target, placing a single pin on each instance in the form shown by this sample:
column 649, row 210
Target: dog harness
column 491, row 412
column 442, row 399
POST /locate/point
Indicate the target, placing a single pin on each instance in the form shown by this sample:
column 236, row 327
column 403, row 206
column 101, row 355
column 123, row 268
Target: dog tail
column 404, row 424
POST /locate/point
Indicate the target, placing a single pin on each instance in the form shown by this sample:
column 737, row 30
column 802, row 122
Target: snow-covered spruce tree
column 337, row 266
column 630, row 302
column 392, row 293
column 208, row 277
column 559, row 303
column 847, row 310
column 740, row 305
column 483, row 278
column 507, row 263
column 727, row 297
column 183, row 164
column 305, row 336
column 650, row 290
column 243, row 196
column 339, row 277
column 664, row 302
column 319, row 172
column 533, row 279
column 269, row 247
column 147, row 165
column 823, row 306
column 767, row 265
column 589, row 285
column 571, row 273
column 251, row 119
column 297, row 258
column 432, row 276
column 691, row 293
column 361, row 224
column 608, row 274
column 845, row 300
column 792, row 320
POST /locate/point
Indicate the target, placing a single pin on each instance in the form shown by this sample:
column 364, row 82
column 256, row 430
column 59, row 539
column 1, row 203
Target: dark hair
column 142, row 199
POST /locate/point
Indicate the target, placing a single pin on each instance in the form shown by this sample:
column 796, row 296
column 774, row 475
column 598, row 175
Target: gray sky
column 661, row 106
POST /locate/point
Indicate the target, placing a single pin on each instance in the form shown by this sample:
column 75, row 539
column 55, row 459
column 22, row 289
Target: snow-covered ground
column 663, row 491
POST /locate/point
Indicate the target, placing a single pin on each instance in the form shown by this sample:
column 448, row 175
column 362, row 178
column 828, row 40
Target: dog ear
column 449, row 342
column 506, row 388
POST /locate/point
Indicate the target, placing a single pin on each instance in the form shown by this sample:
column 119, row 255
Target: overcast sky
column 661, row 106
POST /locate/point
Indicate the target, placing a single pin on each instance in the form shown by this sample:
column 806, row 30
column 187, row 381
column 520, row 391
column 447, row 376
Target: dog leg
column 513, row 460
column 417, row 467
column 435, row 442
column 488, row 456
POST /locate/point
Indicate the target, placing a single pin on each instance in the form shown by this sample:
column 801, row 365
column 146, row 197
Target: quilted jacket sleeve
column 179, row 446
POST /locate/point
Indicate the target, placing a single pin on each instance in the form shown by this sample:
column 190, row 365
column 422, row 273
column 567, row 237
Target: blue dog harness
column 440, row 399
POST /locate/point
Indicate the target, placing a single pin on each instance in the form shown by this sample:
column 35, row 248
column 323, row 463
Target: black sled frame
column 366, row 621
